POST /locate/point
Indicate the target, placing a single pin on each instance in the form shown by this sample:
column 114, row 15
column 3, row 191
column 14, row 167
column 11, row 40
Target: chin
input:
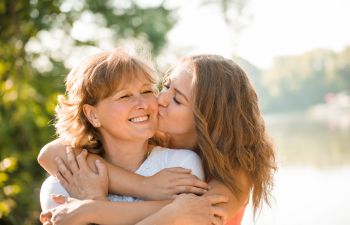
column 161, row 129
column 150, row 133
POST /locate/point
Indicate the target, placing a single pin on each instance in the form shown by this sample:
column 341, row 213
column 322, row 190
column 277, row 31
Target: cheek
column 116, row 113
column 181, row 120
column 153, row 104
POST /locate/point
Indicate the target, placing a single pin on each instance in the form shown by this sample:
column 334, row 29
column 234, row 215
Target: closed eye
column 148, row 92
column 125, row 96
column 176, row 101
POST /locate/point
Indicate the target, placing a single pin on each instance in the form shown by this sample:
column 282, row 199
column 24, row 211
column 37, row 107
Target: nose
column 141, row 102
column 164, row 98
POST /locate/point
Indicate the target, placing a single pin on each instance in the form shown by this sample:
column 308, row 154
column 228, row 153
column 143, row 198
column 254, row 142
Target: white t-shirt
column 160, row 158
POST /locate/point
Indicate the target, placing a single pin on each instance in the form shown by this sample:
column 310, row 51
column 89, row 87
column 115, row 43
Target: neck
column 126, row 154
column 188, row 141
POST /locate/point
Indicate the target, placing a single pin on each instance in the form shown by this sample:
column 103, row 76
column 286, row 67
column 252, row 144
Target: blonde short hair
column 96, row 78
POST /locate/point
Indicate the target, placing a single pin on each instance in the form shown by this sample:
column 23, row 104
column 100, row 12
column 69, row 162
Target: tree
column 31, row 77
column 37, row 39
column 298, row 82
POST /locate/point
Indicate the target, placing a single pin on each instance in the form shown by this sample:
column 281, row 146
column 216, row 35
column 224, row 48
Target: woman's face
column 130, row 113
column 175, row 107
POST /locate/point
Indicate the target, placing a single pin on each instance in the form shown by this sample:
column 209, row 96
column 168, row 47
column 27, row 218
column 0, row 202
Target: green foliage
column 255, row 76
column 28, row 92
column 298, row 82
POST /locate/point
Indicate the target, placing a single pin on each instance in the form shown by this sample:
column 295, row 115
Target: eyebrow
column 182, row 94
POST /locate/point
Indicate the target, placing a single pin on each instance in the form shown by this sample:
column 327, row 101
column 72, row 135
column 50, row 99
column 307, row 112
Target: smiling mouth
column 139, row 119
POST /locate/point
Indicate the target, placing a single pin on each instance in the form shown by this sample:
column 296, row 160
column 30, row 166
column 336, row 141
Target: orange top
column 237, row 219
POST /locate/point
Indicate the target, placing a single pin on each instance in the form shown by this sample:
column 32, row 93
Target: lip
column 140, row 122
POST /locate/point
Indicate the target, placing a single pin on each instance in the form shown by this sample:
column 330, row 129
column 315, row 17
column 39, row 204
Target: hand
column 79, row 180
column 170, row 182
column 71, row 211
column 45, row 217
column 191, row 209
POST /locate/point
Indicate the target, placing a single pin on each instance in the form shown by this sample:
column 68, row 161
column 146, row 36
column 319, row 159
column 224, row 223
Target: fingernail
column 98, row 161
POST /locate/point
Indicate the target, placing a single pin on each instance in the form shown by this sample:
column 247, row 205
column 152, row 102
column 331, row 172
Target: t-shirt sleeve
column 50, row 186
column 189, row 160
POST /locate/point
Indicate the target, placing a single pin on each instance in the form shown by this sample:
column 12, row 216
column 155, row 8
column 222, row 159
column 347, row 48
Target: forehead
column 182, row 78
column 141, row 79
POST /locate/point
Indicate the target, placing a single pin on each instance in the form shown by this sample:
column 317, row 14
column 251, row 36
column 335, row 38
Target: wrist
column 90, row 212
column 100, row 198
column 146, row 189
column 168, row 215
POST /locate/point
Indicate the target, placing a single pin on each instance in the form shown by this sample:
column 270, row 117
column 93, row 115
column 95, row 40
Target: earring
column 97, row 124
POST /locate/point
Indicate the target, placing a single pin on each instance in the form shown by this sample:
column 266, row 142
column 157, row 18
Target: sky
column 273, row 28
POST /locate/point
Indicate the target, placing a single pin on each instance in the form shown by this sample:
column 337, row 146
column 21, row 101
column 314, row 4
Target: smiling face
column 175, row 108
column 129, row 114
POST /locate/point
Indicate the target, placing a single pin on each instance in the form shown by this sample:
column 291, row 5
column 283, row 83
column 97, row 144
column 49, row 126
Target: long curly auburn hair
column 230, row 128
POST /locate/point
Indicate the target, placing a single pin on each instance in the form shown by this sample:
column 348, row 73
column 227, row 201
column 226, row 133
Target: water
column 312, row 185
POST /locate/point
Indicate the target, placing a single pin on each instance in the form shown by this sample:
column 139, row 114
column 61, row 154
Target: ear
column 91, row 115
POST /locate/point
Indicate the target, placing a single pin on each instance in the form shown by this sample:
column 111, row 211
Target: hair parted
column 96, row 78
column 230, row 128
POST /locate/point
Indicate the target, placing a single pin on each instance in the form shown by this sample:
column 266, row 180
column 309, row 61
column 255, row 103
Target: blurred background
column 296, row 52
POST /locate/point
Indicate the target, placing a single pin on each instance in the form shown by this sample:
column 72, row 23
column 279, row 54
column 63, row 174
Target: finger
column 220, row 212
column 191, row 180
column 45, row 216
column 189, row 189
column 179, row 170
column 101, row 168
column 72, row 163
column 63, row 170
column 216, row 220
column 82, row 162
column 59, row 199
column 62, row 180
column 216, row 199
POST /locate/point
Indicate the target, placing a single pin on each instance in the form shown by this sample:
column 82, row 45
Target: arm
column 104, row 212
column 236, row 202
column 49, row 152
column 163, row 185
column 189, row 209
column 186, row 209
column 79, row 212
column 57, row 148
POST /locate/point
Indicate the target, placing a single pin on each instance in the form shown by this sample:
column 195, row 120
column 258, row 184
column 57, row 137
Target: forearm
column 121, row 182
column 162, row 217
column 125, row 182
column 120, row 213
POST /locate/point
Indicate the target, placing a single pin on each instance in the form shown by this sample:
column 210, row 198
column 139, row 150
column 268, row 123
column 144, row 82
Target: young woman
column 209, row 105
column 111, row 109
